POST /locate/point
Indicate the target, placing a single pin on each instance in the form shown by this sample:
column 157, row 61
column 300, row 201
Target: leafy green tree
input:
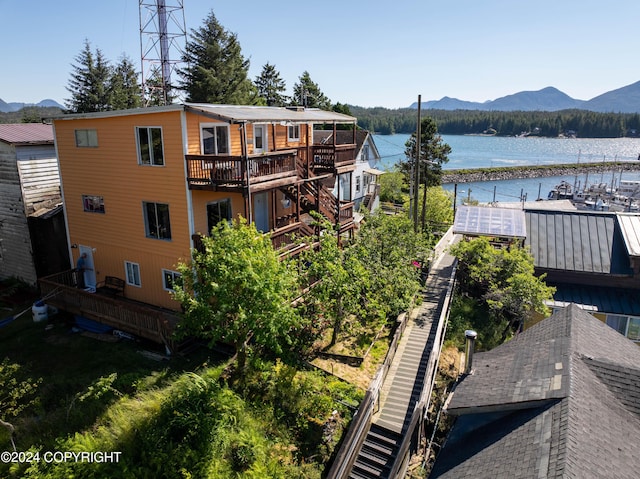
column 217, row 70
column 124, row 88
column 504, row 280
column 89, row 82
column 393, row 187
column 308, row 94
column 271, row 86
column 237, row 291
column 433, row 153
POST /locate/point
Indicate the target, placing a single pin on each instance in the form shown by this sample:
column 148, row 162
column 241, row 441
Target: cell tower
column 162, row 42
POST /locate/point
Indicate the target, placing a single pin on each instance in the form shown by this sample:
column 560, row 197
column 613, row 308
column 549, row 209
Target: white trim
column 214, row 125
column 126, row 273
column 137, row 139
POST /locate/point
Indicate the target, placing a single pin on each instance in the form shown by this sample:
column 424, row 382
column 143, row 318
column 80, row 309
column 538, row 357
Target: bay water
column 470, row 151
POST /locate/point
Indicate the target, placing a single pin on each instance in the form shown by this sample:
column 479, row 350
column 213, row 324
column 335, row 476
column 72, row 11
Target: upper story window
column 215, row 139
column 132, row 271
column 93, row 204
column 293, row 133
column 365, row 153
column 357, row 184
column 218, row 211
column 86, row 138
column 169, row 279
column 156, row 220
column 150, row 149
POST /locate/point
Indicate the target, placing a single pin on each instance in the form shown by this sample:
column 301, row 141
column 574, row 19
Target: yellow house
column 140, row 186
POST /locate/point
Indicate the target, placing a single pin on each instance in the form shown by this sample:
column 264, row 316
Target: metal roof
column 576, row 241
column 490, row 221
column 232, row 113
column 598, row 298
column 26, row 133
column 630, row 228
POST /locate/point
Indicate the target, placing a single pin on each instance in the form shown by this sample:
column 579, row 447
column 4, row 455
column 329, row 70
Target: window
column 357, row 184
column 169, row 278
column 628, row 326
column 132, row 272
column 293, row 133
column 365, row 153
column 150, row 150
column 156, row 218
column 93, row 204
column 215, row 140
column 217, row 212
column 86, row 138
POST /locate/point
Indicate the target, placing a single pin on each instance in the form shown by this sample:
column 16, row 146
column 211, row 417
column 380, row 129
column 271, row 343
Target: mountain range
column 622, row 100
column 15, row 106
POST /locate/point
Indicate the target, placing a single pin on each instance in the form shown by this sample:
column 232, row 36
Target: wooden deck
column 130, row 316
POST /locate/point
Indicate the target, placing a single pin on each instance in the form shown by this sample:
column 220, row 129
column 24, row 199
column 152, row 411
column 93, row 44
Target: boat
column 562, row 191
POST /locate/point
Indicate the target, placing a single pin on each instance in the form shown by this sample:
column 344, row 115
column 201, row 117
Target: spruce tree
column 89, row 82
column 271, row 86
column 307, row 93
column 216, row 71
column 125, row 90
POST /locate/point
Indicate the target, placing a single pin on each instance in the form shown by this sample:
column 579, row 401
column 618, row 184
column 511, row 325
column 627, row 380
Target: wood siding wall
column 39, row 177
column 16, row 258
column 111, row 170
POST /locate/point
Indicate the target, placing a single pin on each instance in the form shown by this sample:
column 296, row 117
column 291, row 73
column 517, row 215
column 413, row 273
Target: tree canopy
column 271, row 86
column 237, row 291
column 308, row 94
column 216, row 70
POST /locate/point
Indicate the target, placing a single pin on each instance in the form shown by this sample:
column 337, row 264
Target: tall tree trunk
column 423, row 217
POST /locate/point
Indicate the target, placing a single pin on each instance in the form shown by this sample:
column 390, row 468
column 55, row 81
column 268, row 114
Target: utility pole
column 416, row 183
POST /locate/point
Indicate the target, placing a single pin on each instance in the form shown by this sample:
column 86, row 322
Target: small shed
column 29, row 188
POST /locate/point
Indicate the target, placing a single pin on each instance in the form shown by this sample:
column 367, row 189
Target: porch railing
column 120, row 313
column 346, row 212
column 203, row 170
column 329, row 157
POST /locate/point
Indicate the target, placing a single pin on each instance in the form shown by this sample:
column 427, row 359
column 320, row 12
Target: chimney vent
column 470, row 347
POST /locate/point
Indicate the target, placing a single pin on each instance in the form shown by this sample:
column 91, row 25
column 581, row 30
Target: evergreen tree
column 89, row 83
column 271, row 86
column 308, row 94
column 125, row 90
column 216, row 71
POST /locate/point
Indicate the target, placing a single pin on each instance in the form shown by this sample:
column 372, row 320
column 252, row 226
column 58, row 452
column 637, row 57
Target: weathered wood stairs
column 406, row 378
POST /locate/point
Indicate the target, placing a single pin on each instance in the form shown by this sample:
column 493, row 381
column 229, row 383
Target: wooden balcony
column 336, row 159
column 130, row 316
column 346, row 212
column 230, row 172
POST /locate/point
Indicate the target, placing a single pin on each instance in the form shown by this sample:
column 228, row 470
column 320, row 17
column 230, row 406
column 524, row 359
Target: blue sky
column 367, row 53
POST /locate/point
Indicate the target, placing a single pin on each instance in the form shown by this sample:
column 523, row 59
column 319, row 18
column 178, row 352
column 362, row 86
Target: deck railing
column 126, row 315
column 204, row 170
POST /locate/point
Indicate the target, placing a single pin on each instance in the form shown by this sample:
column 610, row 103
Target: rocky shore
column 515, row 172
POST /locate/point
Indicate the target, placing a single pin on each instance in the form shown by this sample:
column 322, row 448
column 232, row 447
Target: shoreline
column 516, row 172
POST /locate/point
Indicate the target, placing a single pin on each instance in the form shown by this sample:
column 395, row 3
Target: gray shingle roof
column 560, row 400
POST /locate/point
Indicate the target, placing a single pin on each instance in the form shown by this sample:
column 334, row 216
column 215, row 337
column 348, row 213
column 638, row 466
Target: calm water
column 487, row 151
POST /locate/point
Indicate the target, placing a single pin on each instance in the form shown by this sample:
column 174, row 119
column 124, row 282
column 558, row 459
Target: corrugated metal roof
column 232, row 113
column 630, row 228
column 26, row 133
column 490, row 221
column 598, row 298
column 576, row 241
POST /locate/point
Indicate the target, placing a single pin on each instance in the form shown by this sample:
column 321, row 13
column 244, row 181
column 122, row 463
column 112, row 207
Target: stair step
column 367, row 469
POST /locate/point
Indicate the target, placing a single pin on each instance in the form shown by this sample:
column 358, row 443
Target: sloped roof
column 576, row 241
column 232, row 113
column 26, row 133
column 630, row 227
column 559, row 400
column 490, row 221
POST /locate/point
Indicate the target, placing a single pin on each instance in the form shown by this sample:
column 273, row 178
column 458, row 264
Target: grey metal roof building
column 562, row 399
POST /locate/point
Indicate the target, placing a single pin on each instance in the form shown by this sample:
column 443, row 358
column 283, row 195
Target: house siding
column 112, row 171
column 16, row 257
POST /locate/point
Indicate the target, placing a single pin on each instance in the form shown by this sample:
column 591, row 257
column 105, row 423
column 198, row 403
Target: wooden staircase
column 377, row 454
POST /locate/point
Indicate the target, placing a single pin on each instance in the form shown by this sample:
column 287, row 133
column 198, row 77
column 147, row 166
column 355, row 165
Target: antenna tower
column 162, row 42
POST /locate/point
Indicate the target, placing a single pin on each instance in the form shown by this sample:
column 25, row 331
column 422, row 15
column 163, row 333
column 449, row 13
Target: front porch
column 140, row 319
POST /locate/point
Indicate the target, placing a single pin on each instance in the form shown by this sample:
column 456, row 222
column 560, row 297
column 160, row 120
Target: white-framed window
column 132, row 273
column 358, row 184
column 156, row 220
column 93, row 204
column 365, row 153
column 86, row 138
column 214, row 138
column 150, row 147
column 169, row 278
column 218, row 211
column 628, row 326
column 293, row 132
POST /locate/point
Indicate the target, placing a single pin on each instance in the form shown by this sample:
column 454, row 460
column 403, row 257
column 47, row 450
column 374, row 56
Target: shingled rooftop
column 562, row 399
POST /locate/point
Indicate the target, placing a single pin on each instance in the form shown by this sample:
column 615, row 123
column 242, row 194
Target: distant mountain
column 622, row 100
column 15, row 106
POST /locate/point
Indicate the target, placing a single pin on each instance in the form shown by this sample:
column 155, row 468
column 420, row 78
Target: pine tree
column 216, row 71
column 89, row 82
column 125, row 90
column 308, row 94
column 271, row 86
